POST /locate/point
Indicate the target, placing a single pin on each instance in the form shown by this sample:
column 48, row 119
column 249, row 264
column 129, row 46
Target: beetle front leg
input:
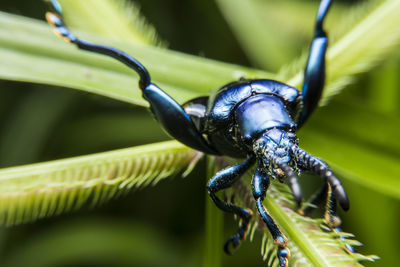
column 332, row 218
column 260, row 185
column 222, row 180
column 330, row 213
column 165, row 109
column 314, row 75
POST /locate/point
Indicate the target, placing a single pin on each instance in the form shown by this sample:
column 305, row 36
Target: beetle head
column 273, row 151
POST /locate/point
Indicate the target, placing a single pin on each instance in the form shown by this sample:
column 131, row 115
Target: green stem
column 214, row 226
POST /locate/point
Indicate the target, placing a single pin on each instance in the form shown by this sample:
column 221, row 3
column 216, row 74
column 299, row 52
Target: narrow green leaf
column 31, row 52
column 44, row 189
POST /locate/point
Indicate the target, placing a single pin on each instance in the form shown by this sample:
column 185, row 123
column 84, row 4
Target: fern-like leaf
column 310, row 241
column 45, row 189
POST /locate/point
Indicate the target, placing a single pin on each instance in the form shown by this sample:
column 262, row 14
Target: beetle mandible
column 252, row 119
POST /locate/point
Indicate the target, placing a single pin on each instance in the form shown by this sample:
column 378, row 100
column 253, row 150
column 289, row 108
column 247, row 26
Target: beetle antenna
column 61, row 30
column 315, row 165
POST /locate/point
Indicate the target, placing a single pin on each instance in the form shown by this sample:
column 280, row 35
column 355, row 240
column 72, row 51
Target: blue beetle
column 252, row 119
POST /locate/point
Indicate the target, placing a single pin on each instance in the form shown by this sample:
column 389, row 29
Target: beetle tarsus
column 283, row 254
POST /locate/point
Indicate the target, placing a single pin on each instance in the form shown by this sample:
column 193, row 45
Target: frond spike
column 41, row 190
column 310, row 241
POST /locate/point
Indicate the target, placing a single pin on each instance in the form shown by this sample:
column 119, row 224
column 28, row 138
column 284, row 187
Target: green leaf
column 51, row 61
column 44, row 189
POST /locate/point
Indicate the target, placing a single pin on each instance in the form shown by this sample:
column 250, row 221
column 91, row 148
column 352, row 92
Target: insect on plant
column 251, row 119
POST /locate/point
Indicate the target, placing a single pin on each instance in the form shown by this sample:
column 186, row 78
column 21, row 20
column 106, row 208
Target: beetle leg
column 330, row 216
column 314, row 75
column 222, row 180
column 260, row 185
column 333, row 219
column 165, row 109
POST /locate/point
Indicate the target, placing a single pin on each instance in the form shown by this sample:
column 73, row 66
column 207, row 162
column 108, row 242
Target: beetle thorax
column 273, row 149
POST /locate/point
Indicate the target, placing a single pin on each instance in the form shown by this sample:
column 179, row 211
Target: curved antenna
column 316, row 166
column 61, row 30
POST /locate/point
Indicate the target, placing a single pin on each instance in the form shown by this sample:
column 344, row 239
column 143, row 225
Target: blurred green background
column 164, row 225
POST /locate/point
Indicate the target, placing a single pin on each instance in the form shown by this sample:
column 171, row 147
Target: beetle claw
column 283, row 256
column 235, row 241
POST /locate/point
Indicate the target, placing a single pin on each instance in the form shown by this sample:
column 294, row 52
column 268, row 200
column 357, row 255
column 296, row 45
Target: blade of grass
column 31, row 53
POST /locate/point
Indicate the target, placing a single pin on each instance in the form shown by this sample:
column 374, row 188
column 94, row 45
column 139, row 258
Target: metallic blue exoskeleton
column 252, row 119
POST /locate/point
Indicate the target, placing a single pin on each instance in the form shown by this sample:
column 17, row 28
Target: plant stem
column 214, row 226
